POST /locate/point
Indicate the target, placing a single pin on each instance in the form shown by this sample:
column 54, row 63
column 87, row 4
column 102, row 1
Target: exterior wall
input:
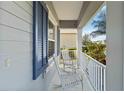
column 16, row 49
column 115, row 29
column 68, row 40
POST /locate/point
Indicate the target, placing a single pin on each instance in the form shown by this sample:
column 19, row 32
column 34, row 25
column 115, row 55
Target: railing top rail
column 97, row 62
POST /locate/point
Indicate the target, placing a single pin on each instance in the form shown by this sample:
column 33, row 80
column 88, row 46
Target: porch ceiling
column 68, row 10
column 73, row 14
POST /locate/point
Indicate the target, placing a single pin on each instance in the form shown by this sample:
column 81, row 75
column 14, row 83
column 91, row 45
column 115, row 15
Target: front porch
column 92, row 71
column 26, row 65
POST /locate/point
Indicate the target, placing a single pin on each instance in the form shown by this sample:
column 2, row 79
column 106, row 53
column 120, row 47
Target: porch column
column 115, row 39
column 56, row 40
column 79, row 44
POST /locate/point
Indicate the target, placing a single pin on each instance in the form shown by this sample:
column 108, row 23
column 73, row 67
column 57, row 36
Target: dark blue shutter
column 45, row 37
column 40, row 18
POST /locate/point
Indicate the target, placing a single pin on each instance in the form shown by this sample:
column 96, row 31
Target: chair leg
column 75, row 70
column 81, row 79
column 78, row 65
column 64, row 67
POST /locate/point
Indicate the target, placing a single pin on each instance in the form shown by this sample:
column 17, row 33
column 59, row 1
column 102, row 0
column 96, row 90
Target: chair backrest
column 69, row 54
column 65, row 55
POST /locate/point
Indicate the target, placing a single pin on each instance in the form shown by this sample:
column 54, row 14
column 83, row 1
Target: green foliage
column 86, row 38
column 95, row 50
column 68, row 48
column 72, row 49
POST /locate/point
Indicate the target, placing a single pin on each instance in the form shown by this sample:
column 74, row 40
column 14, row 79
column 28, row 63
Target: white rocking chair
column 69, row 59
column 68, row 79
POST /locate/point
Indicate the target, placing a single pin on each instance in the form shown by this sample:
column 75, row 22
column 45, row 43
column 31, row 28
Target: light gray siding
column 16, row 48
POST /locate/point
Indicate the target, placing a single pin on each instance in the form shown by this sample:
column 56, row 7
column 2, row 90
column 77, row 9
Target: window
column 51, row 32
column 51, row 40
column 40, row 38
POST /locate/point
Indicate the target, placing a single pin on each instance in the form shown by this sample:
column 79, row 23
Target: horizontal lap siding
column 17, row 10
column 30, row 3
column 16, row 45
column 11, row 34
column 25, row 6
column 13, row 21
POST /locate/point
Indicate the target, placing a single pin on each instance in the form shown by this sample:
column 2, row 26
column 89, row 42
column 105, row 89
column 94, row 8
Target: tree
column 100, row 24
column 85, row 39
column 95, row 50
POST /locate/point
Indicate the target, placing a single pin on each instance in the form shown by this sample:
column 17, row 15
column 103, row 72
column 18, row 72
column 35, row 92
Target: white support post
column 115, row 29
column 79, row 44
column 55, row 40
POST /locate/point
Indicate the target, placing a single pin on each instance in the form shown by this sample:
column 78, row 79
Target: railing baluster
column 104, row 79
column 95, row 77
column 90, row 71
column 101, row 78
column 98, row 78
column 94, row 74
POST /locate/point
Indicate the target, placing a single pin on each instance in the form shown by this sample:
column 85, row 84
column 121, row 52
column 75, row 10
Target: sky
column 88, row 28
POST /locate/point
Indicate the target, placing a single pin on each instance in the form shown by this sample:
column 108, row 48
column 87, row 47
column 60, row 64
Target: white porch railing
column 95, row 71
